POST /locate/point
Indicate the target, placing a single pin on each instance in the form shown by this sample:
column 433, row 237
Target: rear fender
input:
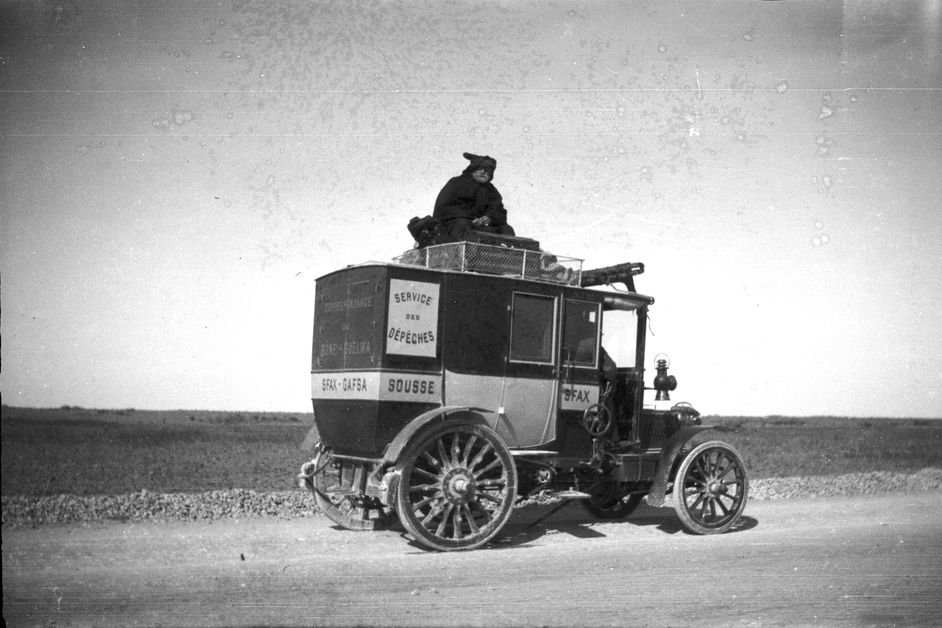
column 426, row 419
column 666, row 462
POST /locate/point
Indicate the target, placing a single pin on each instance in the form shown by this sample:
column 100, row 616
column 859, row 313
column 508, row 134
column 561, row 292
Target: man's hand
column 483, row 221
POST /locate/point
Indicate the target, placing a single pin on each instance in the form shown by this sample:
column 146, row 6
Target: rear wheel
column 710, row 488
column 339, row 490
column 457, row 486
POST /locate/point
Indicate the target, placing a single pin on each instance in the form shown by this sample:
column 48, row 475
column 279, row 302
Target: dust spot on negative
column 824, row 145
column 182, row 116
column 820, row 240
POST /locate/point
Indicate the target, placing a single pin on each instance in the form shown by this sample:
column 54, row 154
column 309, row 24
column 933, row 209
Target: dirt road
column 852, row 561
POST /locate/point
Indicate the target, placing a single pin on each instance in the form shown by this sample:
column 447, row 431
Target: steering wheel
column 597, row 419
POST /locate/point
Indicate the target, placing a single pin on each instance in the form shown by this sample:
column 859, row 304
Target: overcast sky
column 175, row 175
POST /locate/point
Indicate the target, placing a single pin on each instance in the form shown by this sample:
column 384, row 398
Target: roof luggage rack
column 507, row 261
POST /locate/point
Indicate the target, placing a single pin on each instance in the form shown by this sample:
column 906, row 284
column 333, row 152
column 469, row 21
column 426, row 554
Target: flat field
column 103, row 452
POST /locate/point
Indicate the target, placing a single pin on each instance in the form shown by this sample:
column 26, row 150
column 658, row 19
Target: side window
column 581, row 332
column 620, row 336
column 531, row 328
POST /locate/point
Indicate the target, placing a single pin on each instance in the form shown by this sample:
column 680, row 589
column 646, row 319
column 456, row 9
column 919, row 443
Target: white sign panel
column 412, row 326
column 376, row 386
column 578, row 396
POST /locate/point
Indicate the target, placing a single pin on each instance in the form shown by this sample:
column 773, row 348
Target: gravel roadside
column 236, row 503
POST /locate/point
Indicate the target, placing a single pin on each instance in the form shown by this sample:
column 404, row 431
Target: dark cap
column 480, row 161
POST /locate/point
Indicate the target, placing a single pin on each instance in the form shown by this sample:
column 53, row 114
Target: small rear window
column 532, row 327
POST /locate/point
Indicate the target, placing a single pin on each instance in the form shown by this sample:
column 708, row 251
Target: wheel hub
column 458, row 485
column 716, row 488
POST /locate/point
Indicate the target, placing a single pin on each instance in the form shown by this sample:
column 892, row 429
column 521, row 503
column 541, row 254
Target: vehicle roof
column 611, row 297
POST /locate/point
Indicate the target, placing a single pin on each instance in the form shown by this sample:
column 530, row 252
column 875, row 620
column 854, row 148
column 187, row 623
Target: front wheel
column 457, row 486
column 710, row 488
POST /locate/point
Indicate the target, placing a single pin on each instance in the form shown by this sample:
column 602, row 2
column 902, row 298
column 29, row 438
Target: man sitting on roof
column 470, row 202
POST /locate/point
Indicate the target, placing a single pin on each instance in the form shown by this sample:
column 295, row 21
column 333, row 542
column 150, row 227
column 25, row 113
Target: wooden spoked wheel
column 456, row 487
column 710, row 488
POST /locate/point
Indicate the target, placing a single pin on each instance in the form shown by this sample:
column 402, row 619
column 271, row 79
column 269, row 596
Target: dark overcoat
column 463, row 197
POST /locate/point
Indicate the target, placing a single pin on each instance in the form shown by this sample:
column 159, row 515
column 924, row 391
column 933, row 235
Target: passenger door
column 530, row 389
column 503, row 358
column 579, row 355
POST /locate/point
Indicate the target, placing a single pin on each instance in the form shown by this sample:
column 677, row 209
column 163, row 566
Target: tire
column 710, row 488
column 457, row 486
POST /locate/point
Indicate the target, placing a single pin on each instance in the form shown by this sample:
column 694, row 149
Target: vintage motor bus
column 460, row 378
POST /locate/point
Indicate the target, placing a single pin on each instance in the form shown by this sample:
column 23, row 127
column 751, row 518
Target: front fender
column 666, row 462
column 432, row 417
